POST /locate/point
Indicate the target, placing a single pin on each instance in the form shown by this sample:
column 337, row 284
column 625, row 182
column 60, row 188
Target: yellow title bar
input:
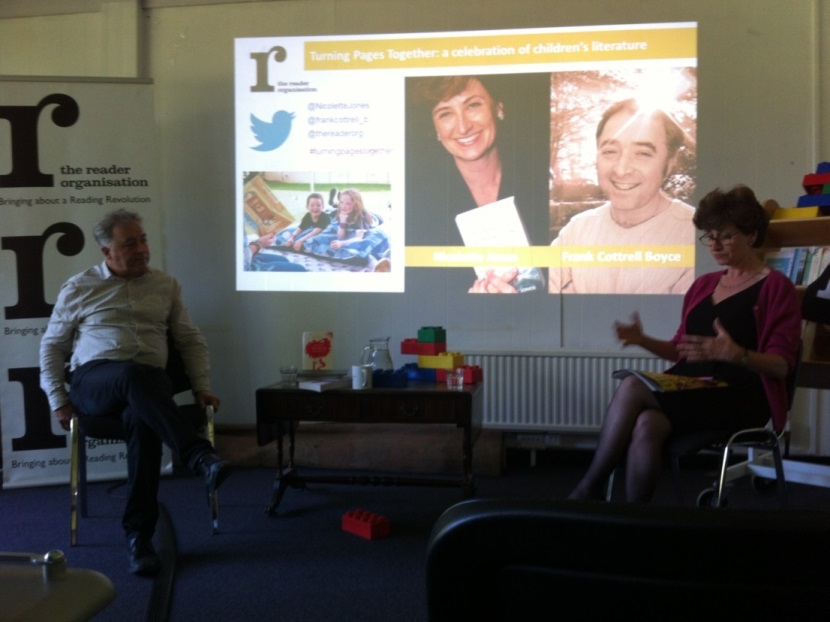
column 657, row 256
column 506, row 49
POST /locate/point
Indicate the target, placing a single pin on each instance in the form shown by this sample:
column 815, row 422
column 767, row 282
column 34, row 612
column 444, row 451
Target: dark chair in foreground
column 111, row 428
column 523, row 559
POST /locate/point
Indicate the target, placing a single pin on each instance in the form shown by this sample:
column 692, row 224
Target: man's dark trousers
column 143, row 398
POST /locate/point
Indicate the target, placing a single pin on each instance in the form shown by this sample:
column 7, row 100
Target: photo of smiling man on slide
column 641, row 239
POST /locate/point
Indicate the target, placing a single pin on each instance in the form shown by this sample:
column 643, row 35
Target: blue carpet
column 298, row 566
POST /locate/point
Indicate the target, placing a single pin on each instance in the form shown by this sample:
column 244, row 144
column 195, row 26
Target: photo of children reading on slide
column 624, row 172
column 291, row 228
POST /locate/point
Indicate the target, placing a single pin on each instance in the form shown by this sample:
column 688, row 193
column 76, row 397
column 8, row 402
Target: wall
column 764, row 116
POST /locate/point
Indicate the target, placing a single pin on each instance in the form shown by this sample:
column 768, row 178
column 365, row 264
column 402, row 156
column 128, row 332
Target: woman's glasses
column 724, row 238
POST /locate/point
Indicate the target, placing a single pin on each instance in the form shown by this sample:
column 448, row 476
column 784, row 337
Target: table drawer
column 317, row 407
column 414, row 409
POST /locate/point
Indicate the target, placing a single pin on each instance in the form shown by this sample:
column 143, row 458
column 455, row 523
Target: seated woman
column 740, row 325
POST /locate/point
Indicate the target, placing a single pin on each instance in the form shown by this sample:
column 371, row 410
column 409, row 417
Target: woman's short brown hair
column 737, row 207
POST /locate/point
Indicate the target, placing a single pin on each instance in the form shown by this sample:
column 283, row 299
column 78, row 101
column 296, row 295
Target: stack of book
column 329, row 383
column 802, row 264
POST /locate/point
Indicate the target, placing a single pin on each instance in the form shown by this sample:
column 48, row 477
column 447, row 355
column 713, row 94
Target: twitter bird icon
column 272, row 135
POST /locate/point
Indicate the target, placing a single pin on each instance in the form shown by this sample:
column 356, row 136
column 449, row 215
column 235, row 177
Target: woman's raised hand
column 630, row 334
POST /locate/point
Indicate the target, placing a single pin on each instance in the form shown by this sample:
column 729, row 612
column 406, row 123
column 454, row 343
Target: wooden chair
column 111, row 428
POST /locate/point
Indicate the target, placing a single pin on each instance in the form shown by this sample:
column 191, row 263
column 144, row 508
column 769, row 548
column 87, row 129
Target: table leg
column 291, row 427
column 285, row 475
column 278, row 488
column 467, row 487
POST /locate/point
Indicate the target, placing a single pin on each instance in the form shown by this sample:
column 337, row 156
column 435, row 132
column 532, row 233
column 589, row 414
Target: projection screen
column 536, row 161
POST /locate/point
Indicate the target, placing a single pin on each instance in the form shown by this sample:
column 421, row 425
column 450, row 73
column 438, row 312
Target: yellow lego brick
column 795, row 212
column 444, row 360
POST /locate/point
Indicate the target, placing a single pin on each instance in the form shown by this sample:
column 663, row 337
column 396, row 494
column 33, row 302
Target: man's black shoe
column 142, row 556
column 213, row 470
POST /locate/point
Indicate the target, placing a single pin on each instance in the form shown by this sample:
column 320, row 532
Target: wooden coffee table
column 280, row 409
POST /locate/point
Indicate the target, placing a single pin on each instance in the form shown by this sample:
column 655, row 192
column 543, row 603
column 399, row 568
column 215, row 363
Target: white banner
column 70, row 151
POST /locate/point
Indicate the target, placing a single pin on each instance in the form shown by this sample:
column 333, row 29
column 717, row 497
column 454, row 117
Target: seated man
column 114, row 319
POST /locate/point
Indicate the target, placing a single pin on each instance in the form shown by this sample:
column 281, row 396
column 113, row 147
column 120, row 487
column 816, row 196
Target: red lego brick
column 472, row 374
column 366, row 524
column 813, row 183
column 431, row 349
column 409, row 346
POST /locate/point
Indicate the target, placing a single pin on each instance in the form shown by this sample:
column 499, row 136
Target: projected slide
column 522, row 161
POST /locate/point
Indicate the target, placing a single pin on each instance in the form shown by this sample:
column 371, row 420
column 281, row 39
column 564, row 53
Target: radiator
column 561, row 392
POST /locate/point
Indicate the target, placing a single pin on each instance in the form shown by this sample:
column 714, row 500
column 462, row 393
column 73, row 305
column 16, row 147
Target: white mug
column 362, row 376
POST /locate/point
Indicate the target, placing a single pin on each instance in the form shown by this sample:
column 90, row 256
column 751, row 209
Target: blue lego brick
column 419, row 374
column 809, row 200
column 386, row 378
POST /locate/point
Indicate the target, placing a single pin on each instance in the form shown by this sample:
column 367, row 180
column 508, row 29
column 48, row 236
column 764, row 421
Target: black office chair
column 111, row 428
column 509, row 559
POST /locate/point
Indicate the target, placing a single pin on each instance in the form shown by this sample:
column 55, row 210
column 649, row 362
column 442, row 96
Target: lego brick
column 789, row 213
column 814, row 182
column 431, row 348
column 387, row 378
column 417, row 374
column 365, row 524
column 809, row 200
column 445, row 360
column 823, row 167
column 413, row 346
column 428, row 334
column 472, row 374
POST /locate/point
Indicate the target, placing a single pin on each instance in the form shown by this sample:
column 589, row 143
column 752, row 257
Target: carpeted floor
column 299, row 565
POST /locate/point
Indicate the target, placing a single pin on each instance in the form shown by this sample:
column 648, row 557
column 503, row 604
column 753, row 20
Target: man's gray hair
column 103, row 230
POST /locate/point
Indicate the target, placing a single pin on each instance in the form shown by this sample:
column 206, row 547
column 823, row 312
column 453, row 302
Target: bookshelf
column 813, row 374
column 791, row 232
column 798, row 232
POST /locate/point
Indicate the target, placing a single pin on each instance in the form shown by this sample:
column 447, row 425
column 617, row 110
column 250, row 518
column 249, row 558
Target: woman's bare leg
column 630, row 400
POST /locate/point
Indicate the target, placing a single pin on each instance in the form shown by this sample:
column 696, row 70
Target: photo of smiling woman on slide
column 473, row 141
